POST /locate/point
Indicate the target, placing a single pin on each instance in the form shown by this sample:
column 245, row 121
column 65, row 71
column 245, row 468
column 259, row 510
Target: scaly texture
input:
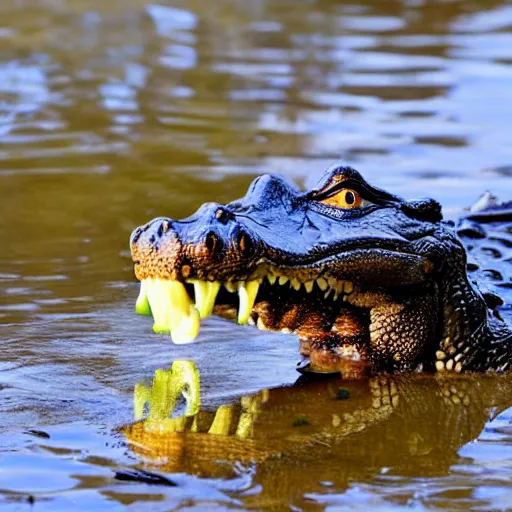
column 356, row 272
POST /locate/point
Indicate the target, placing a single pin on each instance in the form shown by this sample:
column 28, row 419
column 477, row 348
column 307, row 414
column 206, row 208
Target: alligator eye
column 346, row 198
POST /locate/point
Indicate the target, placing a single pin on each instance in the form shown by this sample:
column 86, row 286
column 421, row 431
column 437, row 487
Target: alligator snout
column 188, row 249
column 171, row 257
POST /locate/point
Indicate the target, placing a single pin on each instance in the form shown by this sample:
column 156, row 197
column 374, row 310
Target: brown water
column 114, row 112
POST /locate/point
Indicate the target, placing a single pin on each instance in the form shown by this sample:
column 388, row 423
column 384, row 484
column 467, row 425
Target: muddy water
column 115, row 112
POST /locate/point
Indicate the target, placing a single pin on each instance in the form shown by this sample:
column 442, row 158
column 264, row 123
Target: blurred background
column 111, row 112
column 116, row 111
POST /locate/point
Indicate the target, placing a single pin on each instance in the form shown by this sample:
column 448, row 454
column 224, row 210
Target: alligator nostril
column 244, row 242
column 163, row 228
column 212, row 243
column 134, row 237
column 223, row 215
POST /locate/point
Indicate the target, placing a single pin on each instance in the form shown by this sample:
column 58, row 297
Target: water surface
column 115, row 112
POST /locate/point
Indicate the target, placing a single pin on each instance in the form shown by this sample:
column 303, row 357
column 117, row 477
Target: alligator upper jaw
column 373, row 266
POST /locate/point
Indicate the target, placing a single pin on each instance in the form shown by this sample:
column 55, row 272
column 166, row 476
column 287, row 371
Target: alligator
column 368, row 281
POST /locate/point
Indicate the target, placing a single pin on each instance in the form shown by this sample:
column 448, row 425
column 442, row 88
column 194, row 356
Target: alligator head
column 358, row 273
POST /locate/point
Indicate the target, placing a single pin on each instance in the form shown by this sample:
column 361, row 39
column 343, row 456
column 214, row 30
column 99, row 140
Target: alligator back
column 487, row 236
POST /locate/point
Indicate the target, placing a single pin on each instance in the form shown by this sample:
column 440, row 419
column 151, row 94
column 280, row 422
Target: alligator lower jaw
column 320, row 310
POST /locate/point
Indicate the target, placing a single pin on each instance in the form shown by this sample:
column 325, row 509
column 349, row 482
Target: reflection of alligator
column 355, row 271
column 246, row 431
column 312, row 432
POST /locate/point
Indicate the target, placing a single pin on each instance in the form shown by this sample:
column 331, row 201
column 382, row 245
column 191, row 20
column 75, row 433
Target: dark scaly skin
column 415, row 307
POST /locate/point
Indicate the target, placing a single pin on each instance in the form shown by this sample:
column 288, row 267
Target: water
column 115, row 112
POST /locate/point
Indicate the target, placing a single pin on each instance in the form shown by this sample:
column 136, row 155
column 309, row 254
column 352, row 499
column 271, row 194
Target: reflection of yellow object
column 181, row 379
column 222, row 421
column 249, row 429
column 245, row 424
column 194, row 437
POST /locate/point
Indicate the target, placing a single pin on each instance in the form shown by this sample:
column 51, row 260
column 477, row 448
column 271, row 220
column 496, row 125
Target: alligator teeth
column 205, row 293
column 230, row 287
column 322, row 284
column 184, row 320
column 142, row 305
column 173, row 310
column 159, row 303
column 261, row 325
column 247, row 292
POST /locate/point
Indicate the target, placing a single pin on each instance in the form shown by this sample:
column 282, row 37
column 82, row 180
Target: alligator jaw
column 340, row 320
column 177, row 312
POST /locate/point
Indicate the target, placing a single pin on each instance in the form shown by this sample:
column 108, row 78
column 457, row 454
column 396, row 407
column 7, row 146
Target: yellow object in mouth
column 172, row 309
